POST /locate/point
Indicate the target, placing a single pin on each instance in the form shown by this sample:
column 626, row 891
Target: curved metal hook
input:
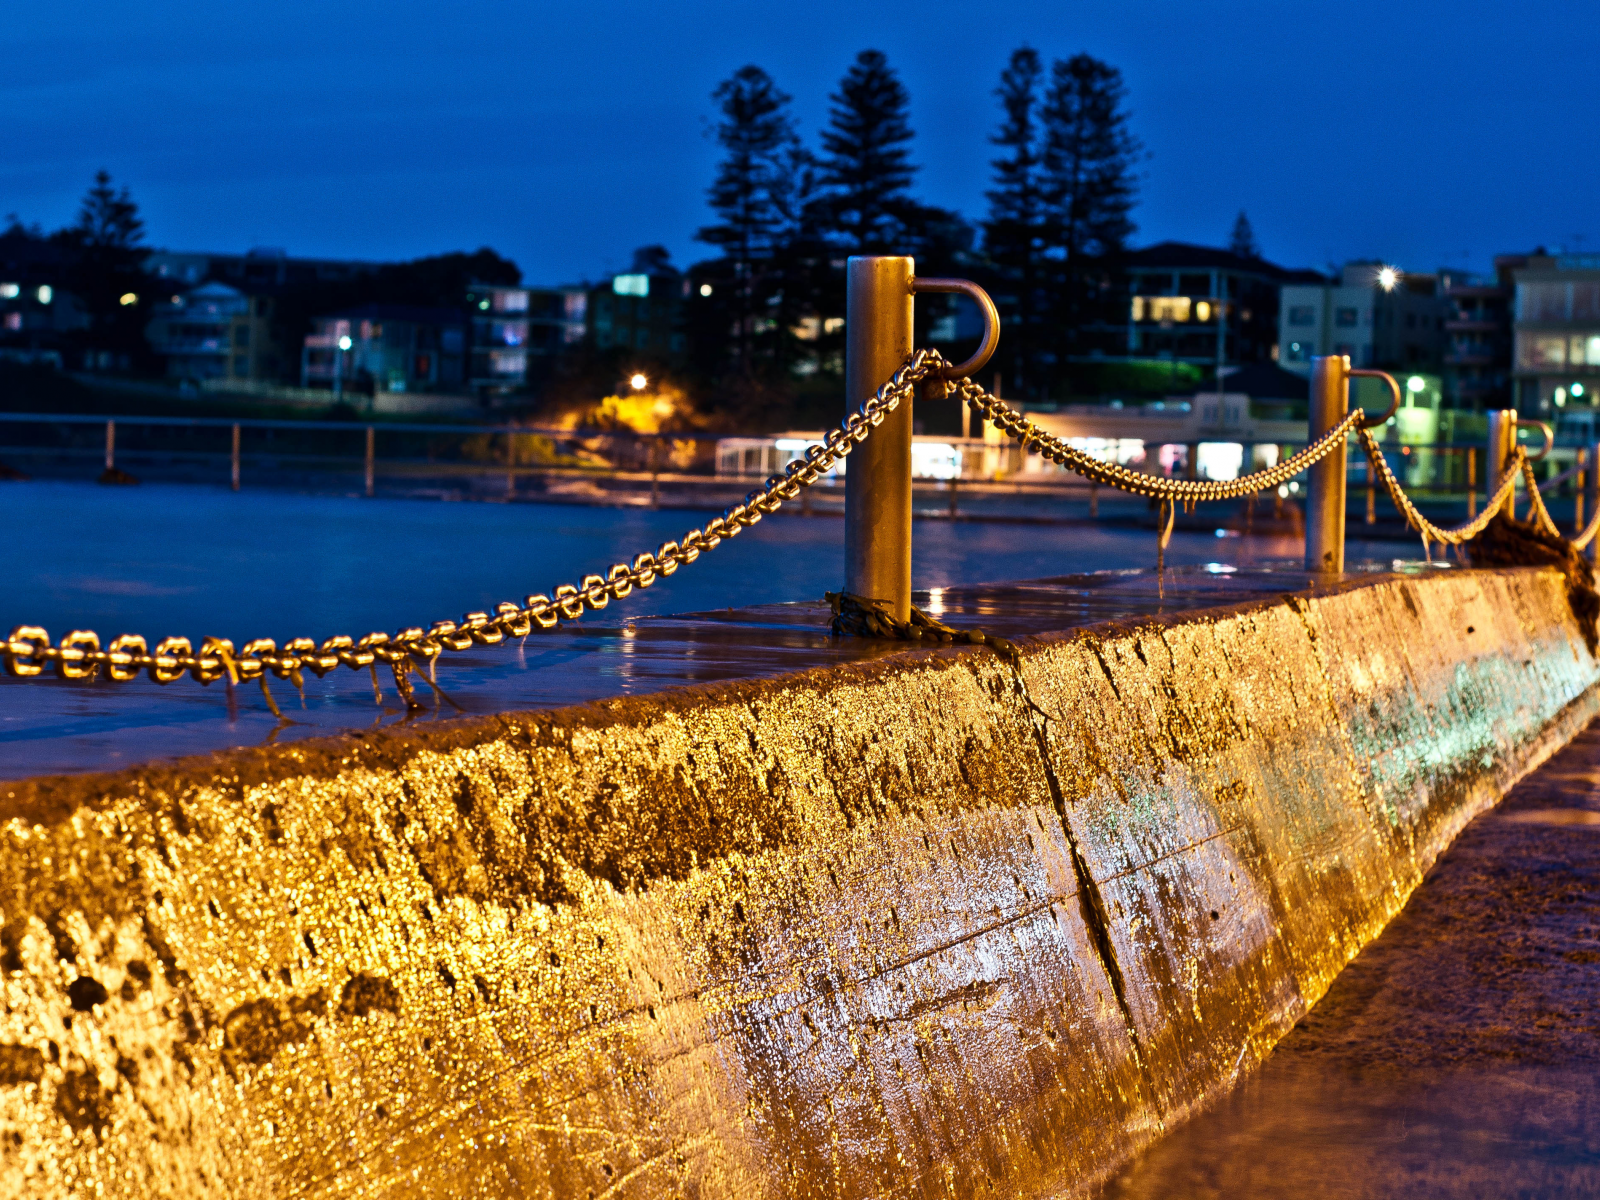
column 1544, row 428
column 1394, row 388
column 991, row 321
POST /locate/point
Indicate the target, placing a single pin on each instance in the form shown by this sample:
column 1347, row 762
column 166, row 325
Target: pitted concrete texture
column 938, row 924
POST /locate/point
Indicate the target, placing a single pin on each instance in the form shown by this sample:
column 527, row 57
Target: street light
column 338, row 368
column 1416, row 384
column 638, row 383
column 1387, row 278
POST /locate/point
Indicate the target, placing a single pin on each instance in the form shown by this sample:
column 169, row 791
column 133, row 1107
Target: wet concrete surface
column 1458, row 1055
column 51, row 726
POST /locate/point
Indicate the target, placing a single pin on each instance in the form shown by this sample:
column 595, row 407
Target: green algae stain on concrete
column 937, row 925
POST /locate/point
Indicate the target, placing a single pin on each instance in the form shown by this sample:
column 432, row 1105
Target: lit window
column 1345, row 318
column 631, row 285
column 705, row 289
column 1576, row 352
column 511, row 301
column 1138, row 308
column 13, row 320
column 1542, row 351
column 1167, row 308
column 9, row 291
column 1592, row 357
column 508, row 362
column 1202, row 310
column 46, row 293
column 127, row 299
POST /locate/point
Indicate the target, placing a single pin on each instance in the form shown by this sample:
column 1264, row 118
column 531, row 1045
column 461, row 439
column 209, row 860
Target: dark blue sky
column 566, row 134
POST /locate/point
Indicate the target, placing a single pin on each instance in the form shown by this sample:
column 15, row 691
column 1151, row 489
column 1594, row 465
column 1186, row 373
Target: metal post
column 1591, row 487
column 1472, row 482
column 1502, row 445
column 1094, row 501
column 877, row 482
column 1325, row 481
column 236, row 456
column 111, row 445
column 1580, row 486
column 370, row 439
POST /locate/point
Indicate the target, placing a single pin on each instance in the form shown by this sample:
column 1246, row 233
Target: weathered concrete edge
column 939, row 776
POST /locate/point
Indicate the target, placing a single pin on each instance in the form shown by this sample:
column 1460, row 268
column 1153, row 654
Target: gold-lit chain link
column 29, row 650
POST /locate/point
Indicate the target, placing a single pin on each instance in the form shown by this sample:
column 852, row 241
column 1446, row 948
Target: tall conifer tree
column 752, row 193
column 1016, row 233
column 1089, row 163
column 866, row 169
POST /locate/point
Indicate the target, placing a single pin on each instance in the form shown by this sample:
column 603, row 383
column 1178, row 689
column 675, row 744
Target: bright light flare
column 638, row 383
column 1416, row 384
column 1387, row 278
column 345, row 342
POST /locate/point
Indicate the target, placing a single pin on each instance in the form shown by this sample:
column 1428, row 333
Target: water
column 196, row 561
column 163, row 560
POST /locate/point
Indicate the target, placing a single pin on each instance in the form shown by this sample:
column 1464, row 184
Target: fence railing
column 876, row 598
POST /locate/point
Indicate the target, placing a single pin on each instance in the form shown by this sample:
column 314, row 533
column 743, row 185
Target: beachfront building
column 214, row 332
column 386, row 347
column 1557, row 333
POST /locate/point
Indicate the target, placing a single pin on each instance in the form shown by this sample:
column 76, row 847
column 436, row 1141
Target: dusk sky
column 565, row 135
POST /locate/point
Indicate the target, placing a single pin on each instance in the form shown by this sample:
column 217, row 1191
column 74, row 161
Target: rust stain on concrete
column 934, row 925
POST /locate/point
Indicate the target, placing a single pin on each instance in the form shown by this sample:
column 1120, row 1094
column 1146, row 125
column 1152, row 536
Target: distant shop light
column 705, row 289
column 631, row 285
column 128, row 298
column 46, row 293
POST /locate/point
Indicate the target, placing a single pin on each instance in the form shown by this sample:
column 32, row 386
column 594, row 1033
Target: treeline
column 787, row 214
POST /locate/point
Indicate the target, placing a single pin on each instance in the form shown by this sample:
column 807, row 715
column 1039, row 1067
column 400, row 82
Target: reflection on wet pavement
column 1458, row 1056
column 50, row 726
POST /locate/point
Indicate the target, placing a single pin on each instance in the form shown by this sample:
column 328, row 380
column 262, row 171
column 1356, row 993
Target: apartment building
column 1556, row 333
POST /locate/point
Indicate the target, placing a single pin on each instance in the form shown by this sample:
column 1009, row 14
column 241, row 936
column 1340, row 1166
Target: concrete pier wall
column 941, row 924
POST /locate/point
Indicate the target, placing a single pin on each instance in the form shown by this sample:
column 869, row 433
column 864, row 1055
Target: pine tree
column 1089, row 179
column 107, row 273
column 752, row 194
column 866, row 172
column 1243, row 240
column 1015, row 235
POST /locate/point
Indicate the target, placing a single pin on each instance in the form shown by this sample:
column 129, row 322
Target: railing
column 876, row 599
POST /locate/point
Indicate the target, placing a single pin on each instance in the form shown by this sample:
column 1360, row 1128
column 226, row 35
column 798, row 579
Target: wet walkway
column 1458, row 1057
column 51, row 726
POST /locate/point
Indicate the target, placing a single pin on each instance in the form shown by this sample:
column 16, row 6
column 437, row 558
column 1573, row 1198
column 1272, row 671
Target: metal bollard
column 235, row 456
column 877, row 481
column 1325, row 481
column 1502, row 444
column 1591, row 489
column 371, row 439
column 111, row 445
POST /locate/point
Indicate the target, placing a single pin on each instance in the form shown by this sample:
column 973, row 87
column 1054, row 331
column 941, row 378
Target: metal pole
column 370, row 439
column 877, row 481
column 1502, row 444
column 111, row 445
column 1580, row 487
column 1325, row 482
column 1472, row 482
column 1591, row 487
column 236, row 456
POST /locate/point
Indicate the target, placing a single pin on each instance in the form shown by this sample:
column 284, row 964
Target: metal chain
column 1187, row 492
column 80, row 655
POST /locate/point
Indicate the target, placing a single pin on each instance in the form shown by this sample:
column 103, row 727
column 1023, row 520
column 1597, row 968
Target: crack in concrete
column 1090, row 901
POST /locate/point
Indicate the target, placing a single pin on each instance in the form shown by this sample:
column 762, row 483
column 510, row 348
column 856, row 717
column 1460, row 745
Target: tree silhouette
column 1016, row 234
column 1089, row 181
column 753, row 193
column 866, row 170
column 107, row 268
column 1243, row 240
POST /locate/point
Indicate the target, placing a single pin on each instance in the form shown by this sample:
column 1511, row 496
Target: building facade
column 215, row 332
column 1556, row 333
column 1380, row 317
column 261, row 269
column 1204, row 306
column 387, row 347
column 1477, row 356
column 642, row 311
column 517, row 332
